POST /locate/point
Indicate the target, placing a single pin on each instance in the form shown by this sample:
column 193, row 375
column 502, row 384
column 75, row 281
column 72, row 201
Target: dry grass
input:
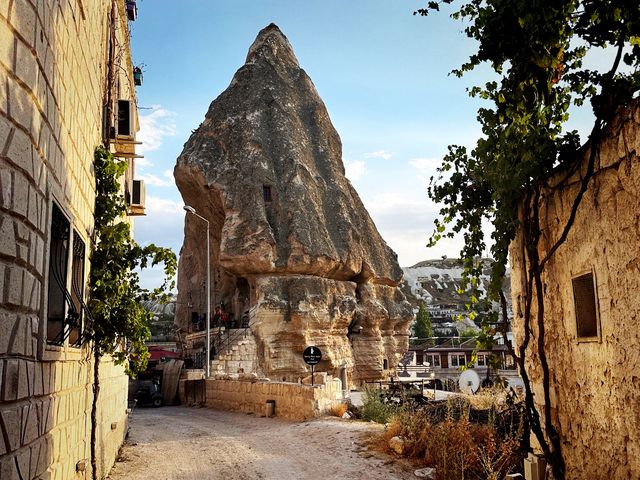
column 457, row 447
column 338, row 409
column 487, row 398
column 380, row 442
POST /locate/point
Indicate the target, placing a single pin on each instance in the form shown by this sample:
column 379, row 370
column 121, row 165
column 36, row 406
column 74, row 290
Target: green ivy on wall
column 120, row 322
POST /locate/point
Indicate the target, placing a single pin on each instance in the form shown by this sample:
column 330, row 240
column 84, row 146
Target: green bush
column 374, row 407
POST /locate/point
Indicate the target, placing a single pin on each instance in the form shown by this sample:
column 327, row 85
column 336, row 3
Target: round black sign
column 312, row 355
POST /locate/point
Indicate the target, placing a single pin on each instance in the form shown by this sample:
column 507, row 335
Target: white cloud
column 426, row 169
column 406, row 223
column 154, row 127
column 401, row 211
column 384, row 154
column 163, row 206
column 354, row 169
column 165, row 181
column 425, row 164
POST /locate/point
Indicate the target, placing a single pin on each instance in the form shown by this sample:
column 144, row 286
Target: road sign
column 312, row 355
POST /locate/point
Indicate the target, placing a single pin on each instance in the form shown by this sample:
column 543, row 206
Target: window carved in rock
column 586, row 307
column 266, row 193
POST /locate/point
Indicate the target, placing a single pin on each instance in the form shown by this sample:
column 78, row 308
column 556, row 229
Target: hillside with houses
column 436, row 283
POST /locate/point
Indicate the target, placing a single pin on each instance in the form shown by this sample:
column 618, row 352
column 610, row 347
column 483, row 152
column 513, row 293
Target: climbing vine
column 537, row 50
column 119, row 324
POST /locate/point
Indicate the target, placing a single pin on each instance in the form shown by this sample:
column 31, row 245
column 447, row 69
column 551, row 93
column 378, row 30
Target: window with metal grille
column 266, row 193
column 77, row 289
column 586, row 306
column 58, row 296
column 66, row 310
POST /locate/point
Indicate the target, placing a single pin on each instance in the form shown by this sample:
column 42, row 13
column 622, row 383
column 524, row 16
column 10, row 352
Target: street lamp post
column 192, row 210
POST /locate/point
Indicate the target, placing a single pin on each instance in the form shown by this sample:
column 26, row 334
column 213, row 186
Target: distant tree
column 422, row 327
column 536, row 49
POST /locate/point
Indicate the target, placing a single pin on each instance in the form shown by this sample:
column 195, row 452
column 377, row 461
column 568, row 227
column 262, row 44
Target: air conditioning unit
column 125, row 128
column 138, row 193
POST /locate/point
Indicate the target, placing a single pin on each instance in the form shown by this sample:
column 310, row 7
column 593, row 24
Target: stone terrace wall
column 52, row 85
column 595, row 385
column 292, row 400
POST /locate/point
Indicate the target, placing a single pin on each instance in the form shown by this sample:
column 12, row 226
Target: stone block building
column 591, row 309
column 66, row 86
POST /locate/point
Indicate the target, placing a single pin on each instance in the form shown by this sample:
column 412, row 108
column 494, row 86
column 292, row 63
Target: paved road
column 181, row 443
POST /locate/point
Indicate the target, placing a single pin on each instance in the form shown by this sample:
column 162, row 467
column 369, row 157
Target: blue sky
column 382, row 73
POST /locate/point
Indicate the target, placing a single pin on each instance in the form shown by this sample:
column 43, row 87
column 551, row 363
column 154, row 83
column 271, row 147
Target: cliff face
column 290, row 236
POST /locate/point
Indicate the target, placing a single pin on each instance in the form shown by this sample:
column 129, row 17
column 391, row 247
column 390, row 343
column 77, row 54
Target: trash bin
column 271, row 408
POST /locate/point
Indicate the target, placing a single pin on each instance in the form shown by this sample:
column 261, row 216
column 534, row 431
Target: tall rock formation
column 291, row 239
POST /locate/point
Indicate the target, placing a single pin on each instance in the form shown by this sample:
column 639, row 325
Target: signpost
column 312, row 356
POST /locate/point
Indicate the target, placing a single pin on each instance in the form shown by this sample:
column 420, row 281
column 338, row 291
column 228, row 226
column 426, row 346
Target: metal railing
column 225, row 340
column 430, row 342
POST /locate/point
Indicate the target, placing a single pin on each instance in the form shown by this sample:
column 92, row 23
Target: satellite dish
column 469, row 381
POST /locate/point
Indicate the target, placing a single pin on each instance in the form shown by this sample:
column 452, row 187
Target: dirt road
column 180, row 443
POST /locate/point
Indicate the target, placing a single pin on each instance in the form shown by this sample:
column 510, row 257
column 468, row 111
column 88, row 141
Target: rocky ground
column 180, row 443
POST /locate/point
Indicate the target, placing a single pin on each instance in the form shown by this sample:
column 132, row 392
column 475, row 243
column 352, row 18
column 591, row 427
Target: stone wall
column 53, row 58
column 292, row 400
column 595, row 385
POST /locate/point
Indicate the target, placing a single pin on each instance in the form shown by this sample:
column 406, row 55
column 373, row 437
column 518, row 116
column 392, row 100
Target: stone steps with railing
column 232, row 349
column 237, row 354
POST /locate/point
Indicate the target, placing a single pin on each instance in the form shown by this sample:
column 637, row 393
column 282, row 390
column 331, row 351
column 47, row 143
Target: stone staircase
column 237, row 354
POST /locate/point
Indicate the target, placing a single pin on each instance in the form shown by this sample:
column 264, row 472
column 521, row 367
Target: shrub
column 374, row 407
